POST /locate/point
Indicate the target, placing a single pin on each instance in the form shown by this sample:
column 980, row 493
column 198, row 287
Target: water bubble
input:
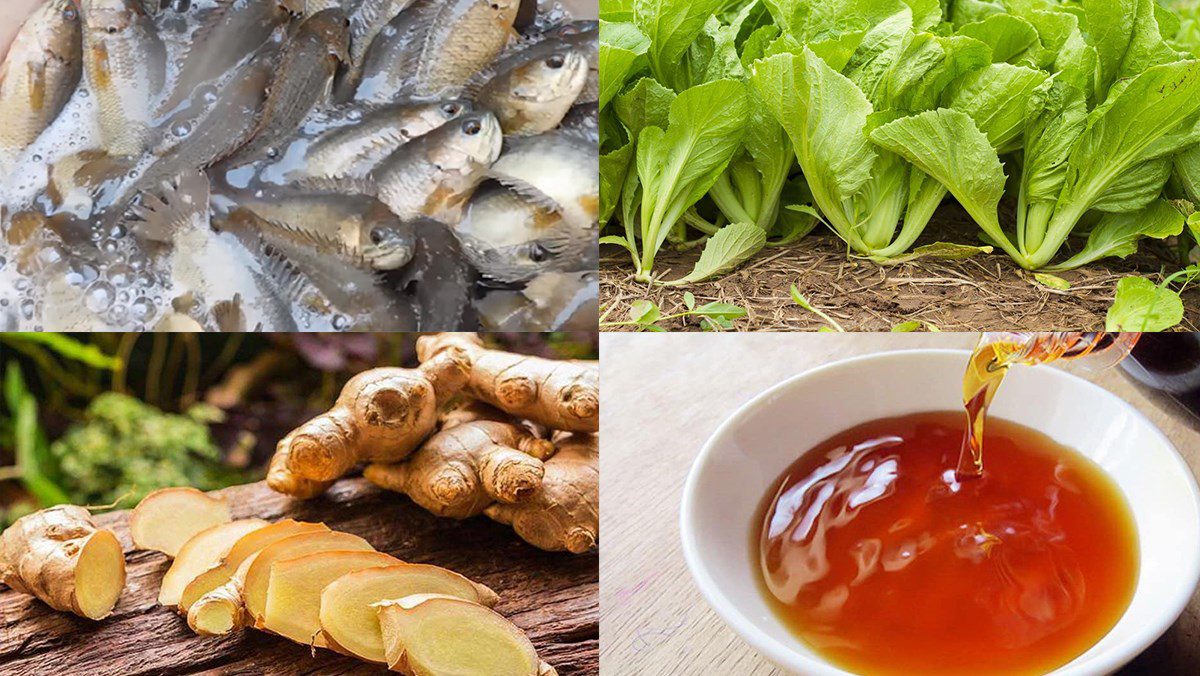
column 272, row 153
column 141, row 309
column 340, row 322
column 145, row 279
column 50, row 255
column 27, row 308
column 99, row 296
column 124, row 296
column 108, row 246
column 182, row 129
column 37, row 158
column 120, row 275
column 354, row 115
column 23, row 284
column 118, row 231
column 119, row 313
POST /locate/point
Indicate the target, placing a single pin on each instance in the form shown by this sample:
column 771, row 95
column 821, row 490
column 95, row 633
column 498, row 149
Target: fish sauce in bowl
column 891, row 548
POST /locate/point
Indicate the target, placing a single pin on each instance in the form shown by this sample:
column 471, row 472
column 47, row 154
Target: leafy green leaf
column 997, row 98
column 1012, row 39
column 643, row 312
column 613, row 168
column 646, row 104
column 939, row 250
column 672, row 27
column 800, row 300
column 1051, row 281
column 733, row 245
column 621, row 47
column 1118, row 234
column 1141, row 305
column 719, row 310
column 689, row 301
column 907, row 327
column 68, row 347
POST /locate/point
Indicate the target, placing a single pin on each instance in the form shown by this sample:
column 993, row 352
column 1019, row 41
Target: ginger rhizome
column 168, row 517
column 381, row 415
column 459, row 471
column 435, row 634
column 562, row 395
column 62, row 558
column 564, row 514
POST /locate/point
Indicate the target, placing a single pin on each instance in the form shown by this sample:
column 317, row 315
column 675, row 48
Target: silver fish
column 440, row 280
column 434, row 175
column 432, row 49
column 213, row 266
column 511, row 239
column 584, row 34
column 583, row 120
column 362, row 225
column 231, row 31
column 534, row 88
column 331, row 280
column 367, row 20
column 356, row 149
column 39, row 76
column 125, row 62
column 306, row 70
column 553, row 301
column 558, row 170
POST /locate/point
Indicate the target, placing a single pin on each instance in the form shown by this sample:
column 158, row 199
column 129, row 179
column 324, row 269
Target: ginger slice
column 222, row 609
column 244, row 548
column 59, row 556
column 203, row 551
column 169, row 517
column 258, row 576
column 562, row 395
column 293, row 608
column 349, row 620
column 427, row 634
column 381, row 415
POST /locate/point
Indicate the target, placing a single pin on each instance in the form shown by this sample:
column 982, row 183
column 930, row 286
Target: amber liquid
column 877, row 555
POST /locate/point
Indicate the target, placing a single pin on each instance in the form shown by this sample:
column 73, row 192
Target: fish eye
column 472, row 127
column 451, row 108
column 346, row 21
column 111, row 30
column 70, row 14
column 538, row 253
column 555, row 61
column 495, row 6
column 378, row 236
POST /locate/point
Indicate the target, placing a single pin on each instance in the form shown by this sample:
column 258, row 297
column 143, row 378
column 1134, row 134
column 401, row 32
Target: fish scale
column 126, row 64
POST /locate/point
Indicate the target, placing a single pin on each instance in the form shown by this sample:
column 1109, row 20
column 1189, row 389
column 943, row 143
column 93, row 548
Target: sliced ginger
column 381, row 415
column 169, row 517
column 349, row 620
column 247, row 546
column 435, row 635
column 564, row 514
column 461, row 470
column 203, row 551
column 258, row 575
column 222, row 609
column 293, row 607
column 562, row 395
column 59, row 556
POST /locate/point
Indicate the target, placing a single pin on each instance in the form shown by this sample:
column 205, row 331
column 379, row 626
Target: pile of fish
column 299, row 165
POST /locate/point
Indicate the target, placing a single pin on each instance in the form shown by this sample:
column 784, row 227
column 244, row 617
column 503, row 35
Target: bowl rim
column 744, row 626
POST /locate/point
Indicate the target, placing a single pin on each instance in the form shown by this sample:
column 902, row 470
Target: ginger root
column 169, row 517
column 349, row 622
column 562, row 395
column 436, row 634
column 564, row 514
column 381, row 415
column 62, row 558
column 461, row 470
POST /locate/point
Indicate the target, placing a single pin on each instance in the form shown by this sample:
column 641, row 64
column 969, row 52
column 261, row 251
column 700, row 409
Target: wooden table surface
column 663, row 396
column 552, row 596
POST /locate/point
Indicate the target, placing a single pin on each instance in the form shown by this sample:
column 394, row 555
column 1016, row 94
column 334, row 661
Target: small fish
column 365, row 24
column 439, row 281
column 433, row 48
column 329, row 279
column 362, row 225
column 553, row 301
column 584, row 34
column 584, row 120
column 354, row 150
column 306, row 70
column 213, row 132
column 125, row 63
column 435, row 175
column 511, row 239
column 231, row 31
column 39, row 76
column 211, row 266
column 534, row 88
column 557, row 170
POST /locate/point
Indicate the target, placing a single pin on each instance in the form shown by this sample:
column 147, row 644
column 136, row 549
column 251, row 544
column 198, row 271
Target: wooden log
column 554, row 597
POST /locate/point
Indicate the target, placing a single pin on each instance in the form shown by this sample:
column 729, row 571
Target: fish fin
column 272, row 229
column 229, row 316
column 528, row 191
column 346, row 185
column 99, row 168
column 173, row 207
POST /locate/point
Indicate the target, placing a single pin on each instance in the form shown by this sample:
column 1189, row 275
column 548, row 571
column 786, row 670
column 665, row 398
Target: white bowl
column 750, row 450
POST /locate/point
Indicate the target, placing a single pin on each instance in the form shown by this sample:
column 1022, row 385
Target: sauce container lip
column 749, row 628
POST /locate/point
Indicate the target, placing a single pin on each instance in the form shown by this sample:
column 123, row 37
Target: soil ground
column 984, row 292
